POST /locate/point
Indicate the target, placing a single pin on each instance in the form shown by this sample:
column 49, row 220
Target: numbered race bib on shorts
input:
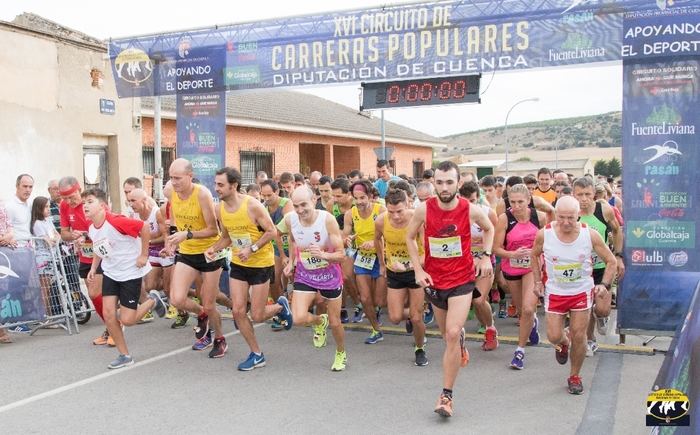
column 567, row 273
column 365, row 260
column 595, row 259
column 520, row 263
column 445, row 247
column 224, row 253
column 285, row 241
column 101, row 247
column 240, row 241
column 312, row 263
column 86, row 250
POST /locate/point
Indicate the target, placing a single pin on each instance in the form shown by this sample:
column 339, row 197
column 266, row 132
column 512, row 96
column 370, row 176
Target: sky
column 562, row 92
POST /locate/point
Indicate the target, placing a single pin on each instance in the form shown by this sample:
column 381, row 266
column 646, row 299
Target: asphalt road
column 55, row 383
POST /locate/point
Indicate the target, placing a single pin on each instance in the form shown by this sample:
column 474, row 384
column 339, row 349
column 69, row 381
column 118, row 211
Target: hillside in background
column 596, row 131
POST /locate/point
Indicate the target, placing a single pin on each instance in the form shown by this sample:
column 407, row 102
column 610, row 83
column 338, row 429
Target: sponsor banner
column 660, row 159
column 672, row 32
column 680, row 371
column 389, row 42
column 20, row 291
column 201, row 117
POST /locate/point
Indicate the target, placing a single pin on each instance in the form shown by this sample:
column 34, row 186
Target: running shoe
column 341, row 359
column 591, row 347
column 490, row 339
column 219, row 349
column 276, row 325
column 575, row 385
column 203, row 342
column 429, row 315
column 102, row 339
column 159, row 307
column 534, row 337
column 421, row 358
column 481, row 329
column 502, row 309
column 601, row 324
column 147, row 318
column 518, row 361
column 344, row 318
column 110, row 341
column 463, row 349
column 180, row 320
column 121, row 361
column 409, row 326
column 512, row 311
column 172, row 312
column 561, row 353
column 202, row 326
column 20, row 329
column 286, row 313
column 357, row 314
column 253, row 361
column 374, row 337
column 320, row 331
column 444, row 405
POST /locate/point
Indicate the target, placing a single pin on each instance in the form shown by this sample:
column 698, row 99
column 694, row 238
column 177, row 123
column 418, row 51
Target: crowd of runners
column 322, row 252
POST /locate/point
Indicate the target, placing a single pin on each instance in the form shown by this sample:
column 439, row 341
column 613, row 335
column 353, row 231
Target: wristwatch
column 189, row 234
column 620, row 255
column 487, row 253
column 607, row 286
column 254, row 248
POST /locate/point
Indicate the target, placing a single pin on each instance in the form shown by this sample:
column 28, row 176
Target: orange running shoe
column 490, row 339
column 102, row 339
column 463, row 349
column 512, row 312
column 444, row 406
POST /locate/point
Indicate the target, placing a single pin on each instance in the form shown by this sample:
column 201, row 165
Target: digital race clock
column 421, row 92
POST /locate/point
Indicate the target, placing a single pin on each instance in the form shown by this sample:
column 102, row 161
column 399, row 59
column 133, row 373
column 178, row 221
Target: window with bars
column 252, row 162
column 167, row 155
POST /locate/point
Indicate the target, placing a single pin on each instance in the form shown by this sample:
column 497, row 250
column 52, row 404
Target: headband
column 361, row 188
column 69, row 191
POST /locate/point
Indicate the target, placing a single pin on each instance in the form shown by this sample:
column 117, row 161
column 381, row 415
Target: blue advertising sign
column 391, row 42
column 20, row 291
column 201, row 116
column 660, row 155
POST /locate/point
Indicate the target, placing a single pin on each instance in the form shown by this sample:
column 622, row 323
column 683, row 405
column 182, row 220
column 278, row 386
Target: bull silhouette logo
column 133, row 66
column 668, row 408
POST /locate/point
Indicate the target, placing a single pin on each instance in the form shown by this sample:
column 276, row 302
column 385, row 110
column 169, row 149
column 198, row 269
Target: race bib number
column 400, row 264
column 240, row 241
column 86, row 250
column 101, row 247
column 477, row 251
column 365, row 260
column 224, row 253
column 445, row 247
column 285, row 240
column 567, row 273
column 312, row 263
column 595, row 259
column 520, row 263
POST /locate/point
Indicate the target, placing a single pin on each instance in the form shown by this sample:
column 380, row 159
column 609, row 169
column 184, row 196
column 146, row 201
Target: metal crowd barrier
column 62, row 301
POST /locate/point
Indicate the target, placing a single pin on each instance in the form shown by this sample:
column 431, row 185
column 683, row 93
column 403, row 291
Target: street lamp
column 505, row 132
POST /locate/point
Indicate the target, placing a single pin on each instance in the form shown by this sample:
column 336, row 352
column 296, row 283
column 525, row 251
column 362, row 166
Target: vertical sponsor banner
column 201, row 113
column 660, row 168
column 20, row 292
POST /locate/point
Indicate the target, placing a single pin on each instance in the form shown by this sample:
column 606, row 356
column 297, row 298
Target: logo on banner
column 661, row 234
column 665, row 156
column 668, row 408
column 678, row 259
column 183, row 48
column 641, row 257
column 663, row 121
column 133, row 66
column 6, row 267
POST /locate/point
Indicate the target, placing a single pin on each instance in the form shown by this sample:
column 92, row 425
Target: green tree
column 614, row 168
column 601, row 167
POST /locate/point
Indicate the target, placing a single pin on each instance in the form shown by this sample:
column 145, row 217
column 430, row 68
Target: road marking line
column 101, row 376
